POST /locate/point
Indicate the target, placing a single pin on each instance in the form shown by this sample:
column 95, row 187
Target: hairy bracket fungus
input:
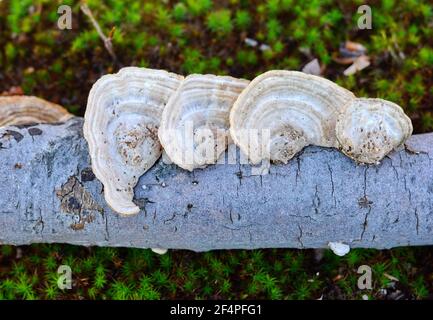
column 281, row 112
column 195, row 123
column 121, row 127
column 22, row 110
column 369, row 129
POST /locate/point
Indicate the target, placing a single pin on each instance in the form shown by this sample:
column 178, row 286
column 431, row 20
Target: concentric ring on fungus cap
column 195, row 124
column 121, row 126
column 21, row 110
column 284, row 111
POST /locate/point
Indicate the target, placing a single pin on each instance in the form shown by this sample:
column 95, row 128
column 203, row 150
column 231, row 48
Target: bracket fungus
column 281, row 112
column 369, row 129
column 121, row 124
column 132, row 115
column 22, row 110
column 194, row 127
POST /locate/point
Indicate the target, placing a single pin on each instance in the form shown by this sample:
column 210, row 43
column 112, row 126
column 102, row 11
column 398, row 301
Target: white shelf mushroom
column 339, row 248
column 159, row 251
column 369, row 129
column 121, row 123
column 195, row 123
column 20, row 110
column 281, row 112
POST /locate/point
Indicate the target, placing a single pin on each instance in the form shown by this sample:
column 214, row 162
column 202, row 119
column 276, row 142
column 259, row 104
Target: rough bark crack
column 76, row 200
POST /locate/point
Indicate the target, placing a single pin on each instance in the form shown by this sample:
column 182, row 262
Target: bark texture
column 48, row 193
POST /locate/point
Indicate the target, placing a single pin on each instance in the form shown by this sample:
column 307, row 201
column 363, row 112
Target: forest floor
column 234, row 37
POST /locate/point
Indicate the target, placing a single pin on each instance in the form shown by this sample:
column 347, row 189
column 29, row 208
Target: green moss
column 17, row 12
column 274, row 29
column 193, row 62
column 242, row 19
column 426, row 57
column 204, row 36
column 180, row 11
column 198, row 7
column 11, row 52
column 85, row 40
column 220, row 22
column 163, row 18
column 245, row 57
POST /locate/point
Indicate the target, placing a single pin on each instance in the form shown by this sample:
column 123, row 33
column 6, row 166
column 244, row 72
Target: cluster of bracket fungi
column 136, row 114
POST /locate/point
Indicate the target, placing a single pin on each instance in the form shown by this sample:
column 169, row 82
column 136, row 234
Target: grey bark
column 48, row 194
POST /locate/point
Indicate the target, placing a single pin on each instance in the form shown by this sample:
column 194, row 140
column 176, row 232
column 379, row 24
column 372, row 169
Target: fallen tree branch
column 48, row 193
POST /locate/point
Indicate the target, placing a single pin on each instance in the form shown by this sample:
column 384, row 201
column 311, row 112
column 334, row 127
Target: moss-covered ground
column 205, row 36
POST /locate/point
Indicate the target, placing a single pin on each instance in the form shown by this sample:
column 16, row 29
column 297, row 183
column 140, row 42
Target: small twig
column 107, row 40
